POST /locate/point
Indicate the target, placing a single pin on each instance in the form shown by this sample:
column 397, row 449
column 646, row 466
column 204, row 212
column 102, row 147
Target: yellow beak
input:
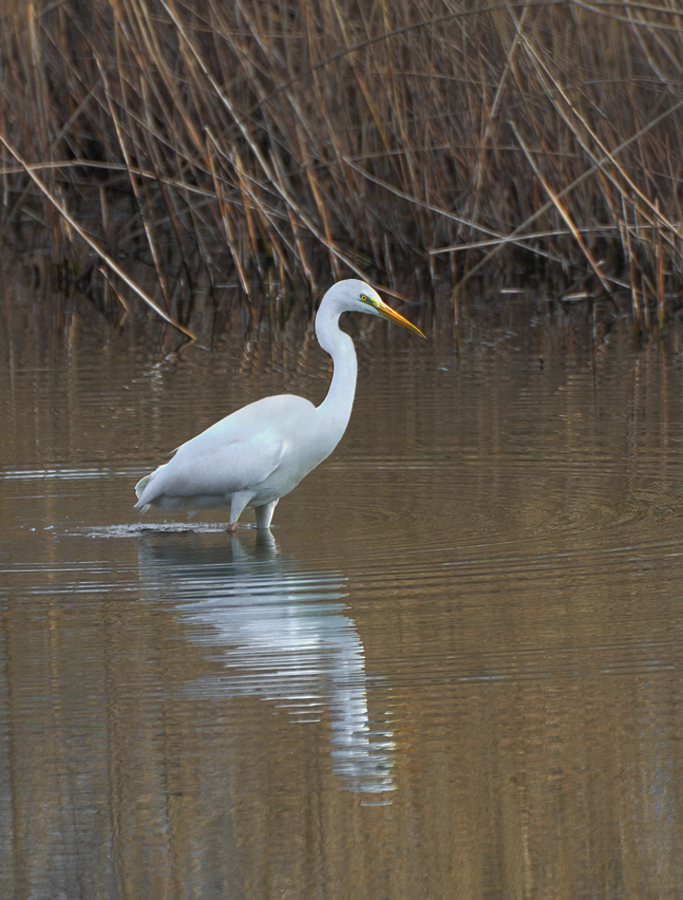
column 388, row 313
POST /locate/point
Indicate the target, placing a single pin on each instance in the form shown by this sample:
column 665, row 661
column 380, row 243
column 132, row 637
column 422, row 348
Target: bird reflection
column 282, row 633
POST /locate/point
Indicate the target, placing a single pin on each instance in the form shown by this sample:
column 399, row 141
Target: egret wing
column 236, row 454
column 204, row 468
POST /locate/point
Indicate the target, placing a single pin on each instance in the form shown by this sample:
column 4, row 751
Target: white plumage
column 261, row 452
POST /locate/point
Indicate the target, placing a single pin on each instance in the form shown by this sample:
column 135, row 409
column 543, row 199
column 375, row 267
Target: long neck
column 335, row 409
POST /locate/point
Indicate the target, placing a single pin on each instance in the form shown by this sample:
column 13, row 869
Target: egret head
column 360, row 297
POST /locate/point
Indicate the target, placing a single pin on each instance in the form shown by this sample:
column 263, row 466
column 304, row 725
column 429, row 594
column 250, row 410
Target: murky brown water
column 454, row 672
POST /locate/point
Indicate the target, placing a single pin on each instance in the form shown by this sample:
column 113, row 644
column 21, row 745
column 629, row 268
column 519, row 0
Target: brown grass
column 268, row 144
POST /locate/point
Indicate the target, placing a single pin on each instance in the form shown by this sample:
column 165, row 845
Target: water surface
column 453, row 670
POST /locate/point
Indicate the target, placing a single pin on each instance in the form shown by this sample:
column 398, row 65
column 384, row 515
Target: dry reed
column 278, row 142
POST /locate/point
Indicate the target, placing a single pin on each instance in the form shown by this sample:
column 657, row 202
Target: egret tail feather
column 141, row 485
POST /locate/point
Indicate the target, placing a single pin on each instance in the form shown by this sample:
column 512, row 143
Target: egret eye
column 365, row 299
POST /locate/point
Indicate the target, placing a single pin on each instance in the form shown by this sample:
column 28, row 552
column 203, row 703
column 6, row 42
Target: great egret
column 261, row 452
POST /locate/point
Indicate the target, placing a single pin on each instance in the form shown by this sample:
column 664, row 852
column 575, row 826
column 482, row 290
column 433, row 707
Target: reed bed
column 188, row 152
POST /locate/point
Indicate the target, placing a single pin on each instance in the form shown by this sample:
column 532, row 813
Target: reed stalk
column 291, row 142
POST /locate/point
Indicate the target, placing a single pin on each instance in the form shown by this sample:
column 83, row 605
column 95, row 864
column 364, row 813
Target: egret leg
column 264, row 514
column 237, row 505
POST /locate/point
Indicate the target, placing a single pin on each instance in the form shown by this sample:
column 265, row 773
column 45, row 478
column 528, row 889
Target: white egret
column 261, row 452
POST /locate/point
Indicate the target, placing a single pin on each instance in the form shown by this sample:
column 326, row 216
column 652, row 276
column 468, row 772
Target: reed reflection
column 281, row 633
